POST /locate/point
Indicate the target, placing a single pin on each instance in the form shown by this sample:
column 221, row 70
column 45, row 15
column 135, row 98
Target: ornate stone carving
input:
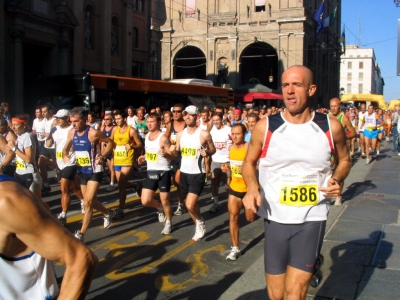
column 17, row 34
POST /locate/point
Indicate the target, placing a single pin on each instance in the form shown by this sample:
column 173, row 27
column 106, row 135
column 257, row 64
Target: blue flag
column 319, row 17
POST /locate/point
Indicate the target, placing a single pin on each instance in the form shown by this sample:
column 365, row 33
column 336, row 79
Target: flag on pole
column 330, row 19
column 342, row 40
column 319, row 17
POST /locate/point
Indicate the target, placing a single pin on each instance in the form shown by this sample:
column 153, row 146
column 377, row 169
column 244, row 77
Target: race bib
column 38, row 134
column 20, row 164
column 82, row 158
column 298, row 189
column 189, row 152
column 120, row 152
column 370, row 127
column 236, row 168
column 151, row 156
column 59, row 154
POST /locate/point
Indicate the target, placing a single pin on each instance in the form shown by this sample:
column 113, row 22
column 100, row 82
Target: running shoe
column 200, row 231
column 235, row 253
column 367, row 161
column 82, row 208
column 161, row 216
column 387, row 139
column 180, row 210
column 118, row 213
column 338, row 201
column 62, row 219
column 111, row 188
column 363, row 155
column 79, row 235
column 214, row 208
column 108, row 219
column 167, row 228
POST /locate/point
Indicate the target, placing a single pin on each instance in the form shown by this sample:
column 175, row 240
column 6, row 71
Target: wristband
column 337, row 181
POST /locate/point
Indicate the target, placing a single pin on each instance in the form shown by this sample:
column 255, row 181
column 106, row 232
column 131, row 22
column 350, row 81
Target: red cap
column 237, row 111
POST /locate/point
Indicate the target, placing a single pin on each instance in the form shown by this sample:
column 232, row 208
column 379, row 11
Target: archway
column 259, row 60
column 190, row 62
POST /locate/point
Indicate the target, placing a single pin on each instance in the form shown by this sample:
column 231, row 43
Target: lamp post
column 153, row 60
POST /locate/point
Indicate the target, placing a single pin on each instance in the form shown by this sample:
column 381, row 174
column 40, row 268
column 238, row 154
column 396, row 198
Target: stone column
column 17, row 34
column 105, row 36
column 233, row 70
column 210, row 57
column 63, row 47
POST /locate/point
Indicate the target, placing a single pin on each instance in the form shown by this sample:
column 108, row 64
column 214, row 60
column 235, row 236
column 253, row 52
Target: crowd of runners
column 189, row 147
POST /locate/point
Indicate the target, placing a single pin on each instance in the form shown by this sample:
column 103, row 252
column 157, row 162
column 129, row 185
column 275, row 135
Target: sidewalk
column 362, row 240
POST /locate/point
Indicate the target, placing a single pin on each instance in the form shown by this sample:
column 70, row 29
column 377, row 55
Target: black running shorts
column 90, row 177
column 191, row 183
column 295, row 245
column 163, row 183
column 69, row 172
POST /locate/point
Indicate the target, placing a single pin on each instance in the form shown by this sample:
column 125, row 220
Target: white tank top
column 361, row 119
column 192, row 162
column 291, row 170
column 155, row 161
column 370, row 121
column 60, row 138
column 27, row 277
column 222, row 141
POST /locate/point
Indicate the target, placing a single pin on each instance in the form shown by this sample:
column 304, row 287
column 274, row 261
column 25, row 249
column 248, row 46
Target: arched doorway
column 190, row 62
column 259, row 60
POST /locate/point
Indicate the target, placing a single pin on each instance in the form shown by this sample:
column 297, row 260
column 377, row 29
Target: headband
column 19, row 121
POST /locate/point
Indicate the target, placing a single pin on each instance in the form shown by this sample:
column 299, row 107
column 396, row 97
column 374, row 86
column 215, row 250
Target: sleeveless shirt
column 155, row 162
column 236, row 158
column 122, row 157
column 60, row 138
column 192, row 161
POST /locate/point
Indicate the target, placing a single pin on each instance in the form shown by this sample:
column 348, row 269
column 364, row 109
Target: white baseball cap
column 62, row 113
column 191, row 110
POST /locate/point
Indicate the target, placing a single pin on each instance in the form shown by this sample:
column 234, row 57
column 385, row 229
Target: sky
column 378, row 30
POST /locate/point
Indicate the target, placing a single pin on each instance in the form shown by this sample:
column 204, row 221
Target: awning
column 251, row 96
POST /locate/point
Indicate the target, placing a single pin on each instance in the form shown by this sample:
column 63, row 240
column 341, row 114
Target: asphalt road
column 137, row 262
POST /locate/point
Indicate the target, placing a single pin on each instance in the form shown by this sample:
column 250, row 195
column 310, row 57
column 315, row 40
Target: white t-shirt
column 222, row 141
column 60, row 138
column 38, row 126
column 131, row 121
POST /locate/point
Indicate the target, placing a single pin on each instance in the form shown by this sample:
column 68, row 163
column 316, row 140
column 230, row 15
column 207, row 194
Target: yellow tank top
column 236, row 158
column 122, row 157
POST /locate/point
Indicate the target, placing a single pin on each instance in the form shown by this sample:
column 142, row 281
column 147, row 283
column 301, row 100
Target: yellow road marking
column 115, row 275
column 198, row 268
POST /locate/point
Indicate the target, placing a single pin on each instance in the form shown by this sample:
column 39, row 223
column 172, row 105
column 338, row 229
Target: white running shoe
column 167, row 228
column 79, row 235
column 235, row 253
column 108, row 219
column 62, row 219
column 367, row 161
column 200, row 231
column 214, row 208
column 387, row 139
column 180, row 210
column 82, row 208
column 161, row 216
column 338, row 201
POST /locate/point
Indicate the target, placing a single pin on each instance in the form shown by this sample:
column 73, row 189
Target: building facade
column 232, row 42
column 360, row 72
column 54, row 37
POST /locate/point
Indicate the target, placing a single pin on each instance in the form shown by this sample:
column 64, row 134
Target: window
column 349, row 76
column 349, row 88
column 135, row 37
column 360, row 76
column 360, row 88
column 361, row 65
column 137, row 69
column 114, row 36
column 349, row 65
column 135, row 5
column 90, row 33
column 190, row 8
column 41, row 6
column 259, row 5
column 141, row 5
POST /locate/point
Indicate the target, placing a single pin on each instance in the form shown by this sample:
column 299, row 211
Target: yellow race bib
column 189, row 152
column 236, row 168
column 120, row 152
column 20, row 163
column 299, row 189
column 83, row 158
column 59, row 155
column 151, row 156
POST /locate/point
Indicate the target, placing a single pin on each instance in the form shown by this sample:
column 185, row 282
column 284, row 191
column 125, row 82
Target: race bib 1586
column 299, row 189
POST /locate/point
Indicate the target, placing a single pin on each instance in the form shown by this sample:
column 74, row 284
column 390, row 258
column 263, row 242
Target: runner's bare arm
column 252, row 199
column 67, row 146
column 349, row 127
column 342, row 158
column 26, row 154
column 97, row 135
column 165, row 145
column 137, row 141
column 175, row 149
column 9, row 154
column 25, row 217
column 207, row 139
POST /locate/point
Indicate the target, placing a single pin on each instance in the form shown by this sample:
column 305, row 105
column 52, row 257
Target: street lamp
column 153, row 60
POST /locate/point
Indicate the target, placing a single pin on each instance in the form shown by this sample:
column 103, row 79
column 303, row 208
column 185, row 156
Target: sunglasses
column 176, row 111
column 107, row 119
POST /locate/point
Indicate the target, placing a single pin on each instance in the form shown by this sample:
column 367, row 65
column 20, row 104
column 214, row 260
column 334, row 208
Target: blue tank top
column 7, row 178
column 107, row 133
column 86, row 153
